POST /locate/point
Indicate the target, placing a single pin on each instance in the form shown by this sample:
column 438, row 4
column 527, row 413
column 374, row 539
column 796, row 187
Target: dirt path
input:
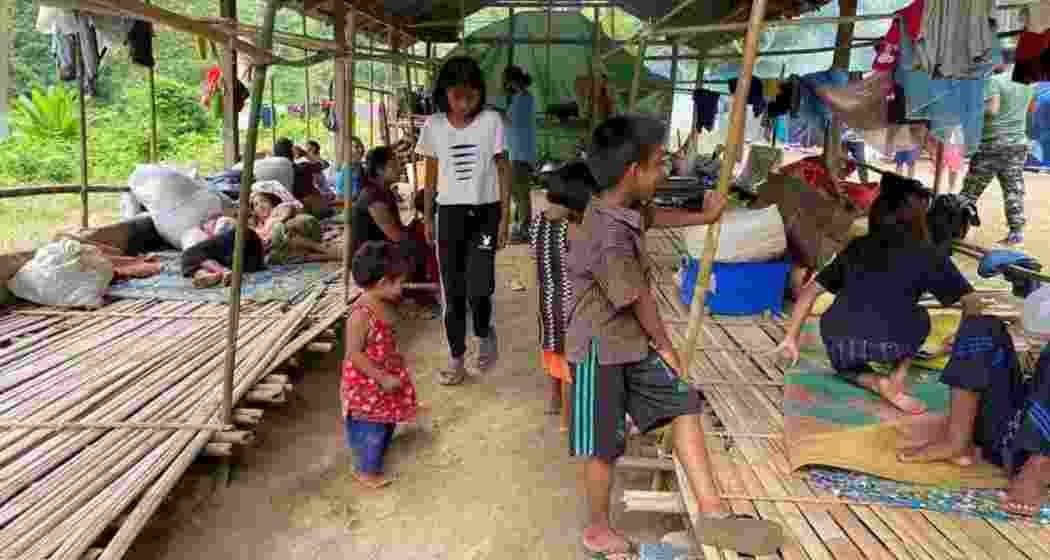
column 490, row 478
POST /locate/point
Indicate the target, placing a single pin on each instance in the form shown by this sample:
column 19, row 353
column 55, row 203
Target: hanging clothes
column 755, row 95
column 64, row 48
column 1032, row 58
column 705, row 109
column 945, row 103
column 89, row 53
column 908, row 20
column 140, row 43
column 957, row 40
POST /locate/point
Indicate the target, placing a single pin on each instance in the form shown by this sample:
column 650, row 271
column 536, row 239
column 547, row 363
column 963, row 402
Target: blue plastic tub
column 739, row 288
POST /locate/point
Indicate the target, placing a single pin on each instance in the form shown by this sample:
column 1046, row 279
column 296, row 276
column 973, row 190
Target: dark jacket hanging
column 140, row 43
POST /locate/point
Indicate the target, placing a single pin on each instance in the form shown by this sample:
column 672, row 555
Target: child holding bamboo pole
column 377, row 392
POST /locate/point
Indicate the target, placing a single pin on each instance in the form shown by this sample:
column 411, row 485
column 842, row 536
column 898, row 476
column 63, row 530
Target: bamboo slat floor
column 755, row 472
column 144, row 362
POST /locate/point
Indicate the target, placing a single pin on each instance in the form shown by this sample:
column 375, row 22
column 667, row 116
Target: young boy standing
column 621, row 358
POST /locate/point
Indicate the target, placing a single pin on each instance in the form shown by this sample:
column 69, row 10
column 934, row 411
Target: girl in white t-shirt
column 466, row 206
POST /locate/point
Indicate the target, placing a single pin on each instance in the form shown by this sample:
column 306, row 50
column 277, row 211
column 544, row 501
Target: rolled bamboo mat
column 138, row 385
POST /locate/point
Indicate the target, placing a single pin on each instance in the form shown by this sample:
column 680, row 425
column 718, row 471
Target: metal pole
column 306, row 78
column 83, row 137
column 265, row 41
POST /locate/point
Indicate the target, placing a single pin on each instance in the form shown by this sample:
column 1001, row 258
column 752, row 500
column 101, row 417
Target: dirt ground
column 487, row 476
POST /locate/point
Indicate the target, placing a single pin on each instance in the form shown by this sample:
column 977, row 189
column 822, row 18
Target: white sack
column 175, row 201
column 64, row 273
column 747, row 236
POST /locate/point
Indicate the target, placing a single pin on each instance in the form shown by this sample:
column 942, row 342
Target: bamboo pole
column 547, row 71
column 83, row 135
column 652, row 29
column 306, row 88
column 938, row 168
column 596, row 33
column 230, row 125
column 371, row 98
column 639, row 66
column 766, row 25
column 273, row 109
column 59, row 189
column 348, row 124
column 265, row 39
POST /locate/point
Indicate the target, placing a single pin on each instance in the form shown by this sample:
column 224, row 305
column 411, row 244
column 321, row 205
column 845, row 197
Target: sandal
column 741, row 533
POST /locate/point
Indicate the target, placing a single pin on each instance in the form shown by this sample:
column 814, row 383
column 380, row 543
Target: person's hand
column 428, row 229
column 788, row 349
column 670, row 357
column 715, row 202
column 389, row 383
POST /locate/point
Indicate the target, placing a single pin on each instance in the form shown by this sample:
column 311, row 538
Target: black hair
column 272, row 198
column 376, row 260
column 376, row 160
column 315, row 145
column 358, row 142
column 571, row 186
column 517, row 75
column 283, row 147
column 619, row 142
column 456, row 72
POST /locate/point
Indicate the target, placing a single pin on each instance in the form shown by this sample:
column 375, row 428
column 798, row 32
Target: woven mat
column 284, row 283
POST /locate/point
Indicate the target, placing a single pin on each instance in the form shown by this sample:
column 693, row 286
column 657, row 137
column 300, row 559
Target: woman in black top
column 375, row 215
column 878, row 280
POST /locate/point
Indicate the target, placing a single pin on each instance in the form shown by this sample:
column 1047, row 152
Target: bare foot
column 1027, row 490
column 372, row 481
column 203, row 279
column 963, row 455
column 894, row 393
column 602, row 539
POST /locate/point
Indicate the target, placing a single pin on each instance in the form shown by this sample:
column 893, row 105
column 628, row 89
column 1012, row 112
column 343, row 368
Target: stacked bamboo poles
column 93, row 369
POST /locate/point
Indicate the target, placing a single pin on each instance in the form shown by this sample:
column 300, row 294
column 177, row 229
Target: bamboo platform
column 102, row 412
column 739, row 378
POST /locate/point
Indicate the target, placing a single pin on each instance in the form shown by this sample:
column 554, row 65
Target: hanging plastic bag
column 64, row 273
column 747, row 236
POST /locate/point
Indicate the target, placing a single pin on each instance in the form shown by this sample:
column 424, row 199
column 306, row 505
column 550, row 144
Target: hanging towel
column 755, row 96
column 888, row 50
column 140, row 43
column 89, row 53
column 705, row 109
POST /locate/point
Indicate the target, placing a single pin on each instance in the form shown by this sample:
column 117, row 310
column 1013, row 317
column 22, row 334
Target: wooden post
column 342, row 150
column 273, row 109
column 83, row 136
column 548, row 73
column 264, row 42
column 636, row 79
column 733, row 142
column 154, row 150
column 371, row 96
column 231, row 136
column 938, row 168
column 306, row 88
column 510, row 38
column 596, row 34
column 348, row 128
column 843, row 41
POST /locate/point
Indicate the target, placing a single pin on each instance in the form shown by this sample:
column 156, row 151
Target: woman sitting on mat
column 998, row 411
column 286, row 232
column 375, row 217
column 878, row 280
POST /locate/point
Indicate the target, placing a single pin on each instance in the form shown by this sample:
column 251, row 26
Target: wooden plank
column 891, row 539
column 949, row 526
column 989, row 539
column 859, row 534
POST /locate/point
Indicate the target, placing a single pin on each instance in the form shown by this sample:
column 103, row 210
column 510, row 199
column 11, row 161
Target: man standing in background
column 1003, row 149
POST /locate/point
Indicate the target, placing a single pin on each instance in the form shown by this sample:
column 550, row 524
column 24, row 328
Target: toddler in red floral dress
column 376, row 391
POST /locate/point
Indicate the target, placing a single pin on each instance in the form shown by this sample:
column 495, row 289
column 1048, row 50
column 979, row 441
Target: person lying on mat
column 621, row 358
column 286, row 232
column 877, row 281
column 209, row 261
column 997, row 411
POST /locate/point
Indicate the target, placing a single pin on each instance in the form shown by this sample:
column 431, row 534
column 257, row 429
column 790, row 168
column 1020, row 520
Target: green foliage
column 48, row 114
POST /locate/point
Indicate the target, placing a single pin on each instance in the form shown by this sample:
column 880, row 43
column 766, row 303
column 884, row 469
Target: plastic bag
column 64, row 273
column 747, row 236
column 175, row 201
